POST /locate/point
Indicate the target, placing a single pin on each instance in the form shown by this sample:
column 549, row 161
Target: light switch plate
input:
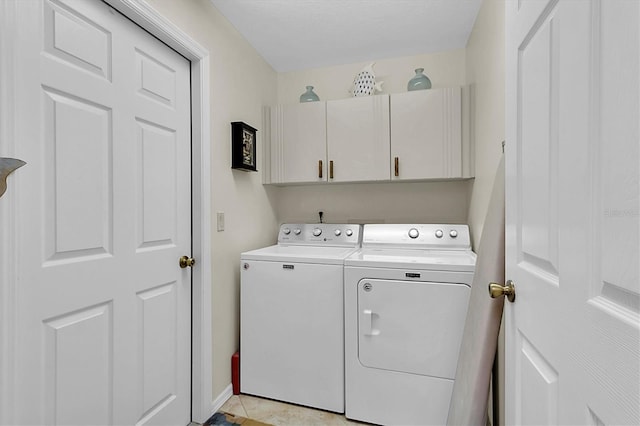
column 220, row 221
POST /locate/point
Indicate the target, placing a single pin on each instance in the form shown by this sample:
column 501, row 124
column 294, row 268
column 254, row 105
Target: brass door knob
column 509, row 290
column 187, row 261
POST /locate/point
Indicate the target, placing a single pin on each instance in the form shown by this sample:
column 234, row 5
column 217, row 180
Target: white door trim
column 11, row 14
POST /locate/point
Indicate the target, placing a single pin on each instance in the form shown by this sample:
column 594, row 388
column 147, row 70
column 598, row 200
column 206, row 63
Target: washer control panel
column 330, row 234
column 419, row 236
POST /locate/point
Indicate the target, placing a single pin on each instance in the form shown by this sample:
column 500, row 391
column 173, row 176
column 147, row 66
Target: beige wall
column 445, row 69
column 436, row 202
column 485, row 74
column 380, row 202
column 241, row 83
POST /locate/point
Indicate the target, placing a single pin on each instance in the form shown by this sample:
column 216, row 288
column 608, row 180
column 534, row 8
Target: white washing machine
column 406, row 296
column 292, row 315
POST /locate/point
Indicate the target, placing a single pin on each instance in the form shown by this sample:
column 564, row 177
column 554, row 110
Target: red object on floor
column 235, row 373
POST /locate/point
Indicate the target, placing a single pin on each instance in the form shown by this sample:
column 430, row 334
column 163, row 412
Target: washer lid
column 427, row 260
column 300, row 254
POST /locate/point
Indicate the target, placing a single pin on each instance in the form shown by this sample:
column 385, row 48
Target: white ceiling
column 300, row 34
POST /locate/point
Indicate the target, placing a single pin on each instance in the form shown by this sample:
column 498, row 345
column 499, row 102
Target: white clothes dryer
column 292, row 315
column 406, row 297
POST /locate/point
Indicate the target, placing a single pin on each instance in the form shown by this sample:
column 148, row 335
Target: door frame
column 15, row 12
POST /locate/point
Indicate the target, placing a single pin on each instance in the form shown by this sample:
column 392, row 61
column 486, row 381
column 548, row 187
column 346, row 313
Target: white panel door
column 358, row 139
column 573, row 202
column 103, row 216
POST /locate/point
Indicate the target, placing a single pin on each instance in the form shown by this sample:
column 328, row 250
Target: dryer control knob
column 453, row 233
column 317, row 232
column 297, row 231
column 413, row 233
column 286, row 231
column 349, row 232
column 439, row 233
column 337, row 232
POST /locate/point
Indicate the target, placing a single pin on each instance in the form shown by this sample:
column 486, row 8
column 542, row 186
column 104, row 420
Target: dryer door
column 412, row 327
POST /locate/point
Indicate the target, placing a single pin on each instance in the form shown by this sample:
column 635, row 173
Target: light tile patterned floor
column 282, row 414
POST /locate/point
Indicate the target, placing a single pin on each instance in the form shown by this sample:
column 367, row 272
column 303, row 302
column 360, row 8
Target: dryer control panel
column 320, row 234
column 418, row 236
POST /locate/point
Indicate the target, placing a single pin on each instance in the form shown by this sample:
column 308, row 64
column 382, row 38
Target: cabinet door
column 299, row 143
column 426, row 134
column 358, row 138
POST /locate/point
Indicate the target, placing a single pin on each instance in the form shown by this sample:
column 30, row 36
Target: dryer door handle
column 368, row 328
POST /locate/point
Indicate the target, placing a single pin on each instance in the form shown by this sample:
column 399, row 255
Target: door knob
column 7, row 166
column 187, row 261
column 509, row 290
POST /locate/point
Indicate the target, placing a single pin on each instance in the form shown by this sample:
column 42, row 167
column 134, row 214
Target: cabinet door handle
column 331, row 169
column 320, row 169
column 396, row 166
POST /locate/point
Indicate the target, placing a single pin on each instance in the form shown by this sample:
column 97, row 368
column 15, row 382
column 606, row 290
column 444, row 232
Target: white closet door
column 103, row 216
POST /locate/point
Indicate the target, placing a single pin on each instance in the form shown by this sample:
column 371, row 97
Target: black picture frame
column 243, row 147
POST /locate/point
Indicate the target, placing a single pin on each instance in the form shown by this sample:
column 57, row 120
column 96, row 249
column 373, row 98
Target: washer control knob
column 297, row 231
column 349, row 232
column 337, row 232
column 453, row 233
column 413, row 233
column 317, row 232
column 439, row 233
column 286, row 231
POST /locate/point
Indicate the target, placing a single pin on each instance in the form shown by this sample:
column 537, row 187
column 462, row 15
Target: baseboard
column 221, row 399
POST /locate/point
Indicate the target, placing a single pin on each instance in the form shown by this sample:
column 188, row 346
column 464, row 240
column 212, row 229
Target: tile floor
column 282, row 414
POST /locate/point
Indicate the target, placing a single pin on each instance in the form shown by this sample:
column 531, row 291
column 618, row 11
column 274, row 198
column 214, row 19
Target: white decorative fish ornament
column 364, row 83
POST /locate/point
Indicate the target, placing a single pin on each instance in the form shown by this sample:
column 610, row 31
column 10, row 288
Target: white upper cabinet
column 299, row 143
column 358, row 139
column 405, row 136
column 426, row 134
